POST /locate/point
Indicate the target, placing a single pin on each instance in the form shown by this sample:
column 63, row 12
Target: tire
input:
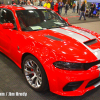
column 35, row 74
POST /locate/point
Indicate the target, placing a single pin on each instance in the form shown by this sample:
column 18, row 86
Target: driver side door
column 6, row 35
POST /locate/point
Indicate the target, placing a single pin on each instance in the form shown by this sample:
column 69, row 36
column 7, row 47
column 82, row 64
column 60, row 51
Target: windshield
column 39, row 19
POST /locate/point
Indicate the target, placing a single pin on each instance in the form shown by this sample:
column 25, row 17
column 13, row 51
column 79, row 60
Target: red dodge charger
column 52, row 53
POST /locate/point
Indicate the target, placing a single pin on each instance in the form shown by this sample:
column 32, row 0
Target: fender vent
column 91, row 42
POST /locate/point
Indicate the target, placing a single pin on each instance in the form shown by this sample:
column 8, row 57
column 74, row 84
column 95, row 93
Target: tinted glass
column 7, row 17
column 38, row 19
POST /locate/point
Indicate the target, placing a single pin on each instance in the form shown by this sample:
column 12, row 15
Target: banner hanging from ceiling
column 94, row 1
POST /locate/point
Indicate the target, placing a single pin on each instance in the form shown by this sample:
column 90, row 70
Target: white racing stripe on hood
column 81, row 32
column 80, row 38
column 76, row 36
column 96, row 52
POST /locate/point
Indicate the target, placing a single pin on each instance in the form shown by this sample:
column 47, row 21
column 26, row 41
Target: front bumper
column 88, row 80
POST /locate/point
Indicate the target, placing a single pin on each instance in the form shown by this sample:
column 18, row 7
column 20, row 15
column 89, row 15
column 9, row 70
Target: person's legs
column 84, row 16
column 58, row 10
column 89, row 14
column 66, row 12
column 92, row 14
column 77, row 10
column 61, row 10
column 80, row 15
column 74, row 10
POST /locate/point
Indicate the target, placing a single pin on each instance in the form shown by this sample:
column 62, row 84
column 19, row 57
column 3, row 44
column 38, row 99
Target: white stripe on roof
column 33, row 7
column 29, row 7
column 39, row 7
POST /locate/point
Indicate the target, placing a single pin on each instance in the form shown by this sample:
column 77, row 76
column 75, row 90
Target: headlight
column 68, row 65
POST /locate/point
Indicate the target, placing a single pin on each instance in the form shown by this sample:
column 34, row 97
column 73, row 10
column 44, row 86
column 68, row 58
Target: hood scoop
column 53, row 38
column 90, row 42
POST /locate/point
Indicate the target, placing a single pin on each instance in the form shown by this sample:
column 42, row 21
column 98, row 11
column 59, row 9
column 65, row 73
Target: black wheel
column 35, row 74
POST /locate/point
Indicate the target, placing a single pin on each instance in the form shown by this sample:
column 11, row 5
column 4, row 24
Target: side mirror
column 7, row 25
column 66, row 19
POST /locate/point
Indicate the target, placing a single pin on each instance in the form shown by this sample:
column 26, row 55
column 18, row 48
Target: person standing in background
column 56, row 6
column 12, row 2
column 91, row 11
column 47, row 4
column 43, row 2
column 82, row 11
column 78, row 7
column 71, row 5
column 25, row 2
column 74, row 5
column 8, row 2
column 60, row 5
column 66, row 8
column 52, row 4
column 35, row 2
column 40, row 3
column 20, row 2
column 29, row 2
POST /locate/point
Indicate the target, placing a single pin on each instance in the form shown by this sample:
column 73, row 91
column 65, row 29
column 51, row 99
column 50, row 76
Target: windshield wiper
column 53, row 27
column 37, row 30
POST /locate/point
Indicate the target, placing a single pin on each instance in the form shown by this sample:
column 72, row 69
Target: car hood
column 70, row 42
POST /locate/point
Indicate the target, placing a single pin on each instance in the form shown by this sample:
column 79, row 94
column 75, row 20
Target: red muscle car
column 52, row 53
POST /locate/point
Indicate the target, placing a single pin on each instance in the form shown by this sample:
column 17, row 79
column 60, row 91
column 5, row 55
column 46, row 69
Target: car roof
column 23, row 7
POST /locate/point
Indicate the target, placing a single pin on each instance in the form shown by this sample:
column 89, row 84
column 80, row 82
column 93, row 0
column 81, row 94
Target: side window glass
column 7, row 17
column 0, row 14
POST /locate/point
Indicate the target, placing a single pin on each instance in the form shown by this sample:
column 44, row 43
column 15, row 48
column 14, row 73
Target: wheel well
column 23, row 56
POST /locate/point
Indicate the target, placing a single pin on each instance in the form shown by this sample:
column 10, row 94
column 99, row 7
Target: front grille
column 89, row 65
column 93, row 82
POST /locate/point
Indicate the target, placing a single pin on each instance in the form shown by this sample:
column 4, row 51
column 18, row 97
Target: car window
column 0, row 12
column 38, row 19
column 6, row 16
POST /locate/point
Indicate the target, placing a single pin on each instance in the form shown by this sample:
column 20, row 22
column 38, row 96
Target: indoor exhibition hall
column 49, row 49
